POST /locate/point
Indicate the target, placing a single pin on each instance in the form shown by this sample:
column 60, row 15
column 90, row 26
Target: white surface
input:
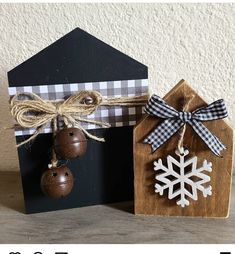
column 190, row 41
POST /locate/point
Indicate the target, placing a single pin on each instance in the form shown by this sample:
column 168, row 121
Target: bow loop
column 30, row 111
column 158, row 107
column 214, row 111
column 174, row 120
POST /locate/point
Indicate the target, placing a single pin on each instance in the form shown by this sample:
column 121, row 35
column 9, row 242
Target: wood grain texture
column 146, row 200
column 113, row 223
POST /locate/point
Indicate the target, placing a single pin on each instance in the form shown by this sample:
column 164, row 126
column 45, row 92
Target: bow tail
column 210, row 140
column 163, row 132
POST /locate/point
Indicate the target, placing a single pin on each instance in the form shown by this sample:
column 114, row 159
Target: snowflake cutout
column 170, row 178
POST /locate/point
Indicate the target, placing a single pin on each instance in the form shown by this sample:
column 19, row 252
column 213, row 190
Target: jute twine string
column 34, row 112
column 187, row 101
column 54, row 160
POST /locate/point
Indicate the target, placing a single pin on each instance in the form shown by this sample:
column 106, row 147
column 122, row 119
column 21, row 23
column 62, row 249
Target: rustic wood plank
column 114, row 223
column 146, row 200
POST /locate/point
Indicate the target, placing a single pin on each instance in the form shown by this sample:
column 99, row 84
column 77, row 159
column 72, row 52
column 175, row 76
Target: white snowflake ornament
column 176, row 174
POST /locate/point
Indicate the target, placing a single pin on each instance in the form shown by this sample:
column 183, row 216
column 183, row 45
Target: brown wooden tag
column 148, row 202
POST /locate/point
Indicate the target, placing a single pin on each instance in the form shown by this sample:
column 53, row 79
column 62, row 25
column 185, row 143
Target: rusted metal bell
column 70, row 143
column 57, row 182
column 88, row 100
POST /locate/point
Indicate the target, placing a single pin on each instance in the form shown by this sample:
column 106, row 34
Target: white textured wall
column 190, row 41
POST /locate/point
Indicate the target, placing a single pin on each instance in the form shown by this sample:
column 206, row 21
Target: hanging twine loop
column 185, row 117
column 54, row 160
column 31, row 111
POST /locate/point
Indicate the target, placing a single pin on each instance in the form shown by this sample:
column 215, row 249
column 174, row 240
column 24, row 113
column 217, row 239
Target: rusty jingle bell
column 70, row 143
column 57, row 182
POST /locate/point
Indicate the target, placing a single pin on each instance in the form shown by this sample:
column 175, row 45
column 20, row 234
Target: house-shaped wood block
column 147, row 202
column 79, row 61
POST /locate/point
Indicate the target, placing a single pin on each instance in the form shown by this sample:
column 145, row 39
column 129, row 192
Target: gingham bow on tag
column 174, row 120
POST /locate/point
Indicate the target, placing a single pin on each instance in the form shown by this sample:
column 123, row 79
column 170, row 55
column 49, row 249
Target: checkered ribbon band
column 117, row 116
column 174, row 120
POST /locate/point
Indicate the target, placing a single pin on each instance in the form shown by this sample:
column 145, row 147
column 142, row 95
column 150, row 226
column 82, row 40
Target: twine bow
column 31, row 111
column 174, row 120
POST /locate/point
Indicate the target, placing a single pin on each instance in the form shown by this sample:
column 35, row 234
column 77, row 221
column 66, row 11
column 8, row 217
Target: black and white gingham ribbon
column 174, row 120
column 117, row 116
